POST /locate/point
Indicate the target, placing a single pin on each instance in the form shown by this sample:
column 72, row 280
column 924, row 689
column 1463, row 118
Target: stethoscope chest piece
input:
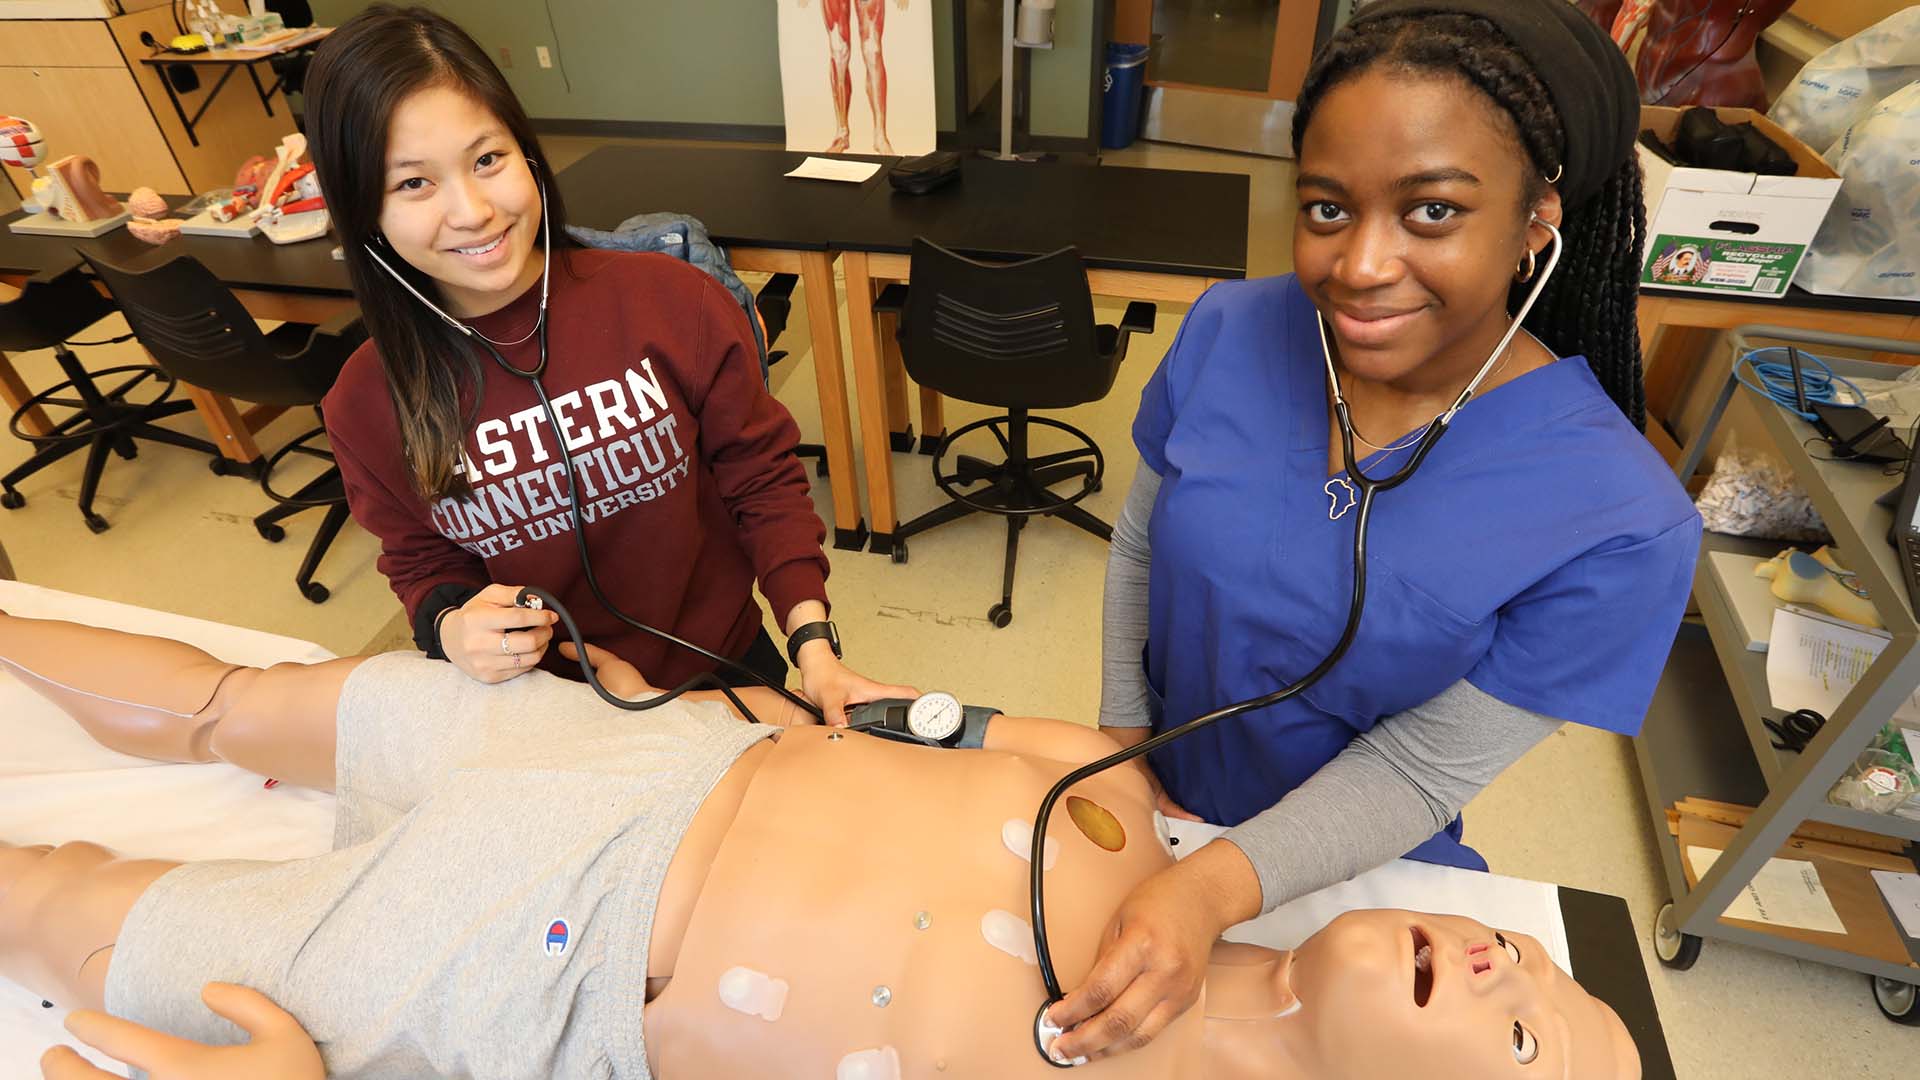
column 1044, row 1032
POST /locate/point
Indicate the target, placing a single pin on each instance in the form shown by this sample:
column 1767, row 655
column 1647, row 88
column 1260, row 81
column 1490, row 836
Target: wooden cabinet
column 82, row 82
column 79, row 43
column 96, row 111
column 234, row 128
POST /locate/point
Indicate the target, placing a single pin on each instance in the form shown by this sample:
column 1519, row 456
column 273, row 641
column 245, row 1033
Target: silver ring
column 505, row 646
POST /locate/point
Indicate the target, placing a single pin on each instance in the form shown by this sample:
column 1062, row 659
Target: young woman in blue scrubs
column 1532, row 572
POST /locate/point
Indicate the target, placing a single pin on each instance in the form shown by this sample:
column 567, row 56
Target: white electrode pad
column 881, row 1064
column 1018, row 836
column 1009, row 933
column 1162, row 832
column 752, row 992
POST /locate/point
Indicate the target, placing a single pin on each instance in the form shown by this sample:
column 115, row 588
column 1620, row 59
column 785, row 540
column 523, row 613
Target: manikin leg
column 60, row 912
column 873, row 27
column 156, row 698
column 839, row 60
column 61, row 908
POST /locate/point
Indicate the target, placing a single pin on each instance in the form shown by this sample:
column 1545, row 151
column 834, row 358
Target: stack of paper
column 1813, row 662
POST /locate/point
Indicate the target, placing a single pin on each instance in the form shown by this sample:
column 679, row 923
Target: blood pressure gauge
column 936, row 716
column 935, row 719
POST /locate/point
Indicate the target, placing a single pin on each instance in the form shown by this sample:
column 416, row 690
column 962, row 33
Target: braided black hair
column 1589, row 307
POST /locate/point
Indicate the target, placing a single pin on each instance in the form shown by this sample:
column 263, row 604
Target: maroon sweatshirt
column 684, row 464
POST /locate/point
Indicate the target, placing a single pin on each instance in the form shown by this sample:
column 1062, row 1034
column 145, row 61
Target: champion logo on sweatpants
column 559, row 936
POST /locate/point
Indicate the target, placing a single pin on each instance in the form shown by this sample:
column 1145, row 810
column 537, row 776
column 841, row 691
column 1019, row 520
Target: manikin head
column 1480, row 1004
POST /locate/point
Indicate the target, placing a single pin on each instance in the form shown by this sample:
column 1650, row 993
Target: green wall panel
column 712, row 61
column 1059, row 76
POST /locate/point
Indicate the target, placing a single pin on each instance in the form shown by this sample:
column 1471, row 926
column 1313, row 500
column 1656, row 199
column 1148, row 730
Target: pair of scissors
column 1796, row 729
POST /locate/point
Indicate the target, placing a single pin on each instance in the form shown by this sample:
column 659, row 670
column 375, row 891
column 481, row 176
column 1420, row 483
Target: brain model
column 146, row 203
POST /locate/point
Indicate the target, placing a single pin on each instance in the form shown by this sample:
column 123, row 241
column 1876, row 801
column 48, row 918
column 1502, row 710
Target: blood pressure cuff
column 887, row 719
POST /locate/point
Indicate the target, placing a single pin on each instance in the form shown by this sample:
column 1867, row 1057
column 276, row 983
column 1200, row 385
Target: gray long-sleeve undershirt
column 1389, row 790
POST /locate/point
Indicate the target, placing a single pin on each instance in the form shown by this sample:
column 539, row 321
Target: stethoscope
column 1368, row 487
column 538, row 598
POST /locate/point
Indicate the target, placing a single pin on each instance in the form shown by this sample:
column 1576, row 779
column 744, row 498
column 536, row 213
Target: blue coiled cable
column 1774, row 379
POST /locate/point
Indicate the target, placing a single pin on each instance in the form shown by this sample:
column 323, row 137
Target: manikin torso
column 860, row 843
column 878, row 883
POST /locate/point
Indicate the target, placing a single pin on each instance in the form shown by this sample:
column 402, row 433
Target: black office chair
column 290, row 68
column 775, row 304
column 1020, row 336
column 200, row 334
column 293, row 13
column 52, row 308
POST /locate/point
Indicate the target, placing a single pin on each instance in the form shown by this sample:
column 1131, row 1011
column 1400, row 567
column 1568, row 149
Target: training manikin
column 838, row 905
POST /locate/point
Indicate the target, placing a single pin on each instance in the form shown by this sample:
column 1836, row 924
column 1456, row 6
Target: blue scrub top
column 1543, row 552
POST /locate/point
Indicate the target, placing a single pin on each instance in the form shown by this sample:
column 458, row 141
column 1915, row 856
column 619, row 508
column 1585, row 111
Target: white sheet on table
column 1528, row 907
column 56, row 784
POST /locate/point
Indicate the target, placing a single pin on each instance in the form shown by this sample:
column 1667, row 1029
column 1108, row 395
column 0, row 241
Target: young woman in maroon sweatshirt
column 682, row 462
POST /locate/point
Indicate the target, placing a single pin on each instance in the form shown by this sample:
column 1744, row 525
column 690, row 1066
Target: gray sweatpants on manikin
column 485, row 912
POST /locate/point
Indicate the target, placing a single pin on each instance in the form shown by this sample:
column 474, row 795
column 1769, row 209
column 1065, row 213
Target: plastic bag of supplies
column 1840, row 85
column 1869, row 245
column 1859, row 104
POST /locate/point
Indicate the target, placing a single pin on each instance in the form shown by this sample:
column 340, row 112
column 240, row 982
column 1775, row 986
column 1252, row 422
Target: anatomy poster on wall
column 857, row 75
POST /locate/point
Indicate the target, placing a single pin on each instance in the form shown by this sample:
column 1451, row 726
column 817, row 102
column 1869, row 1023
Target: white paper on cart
column 1902, row 892
column 1786, row 892
column 1813, row 663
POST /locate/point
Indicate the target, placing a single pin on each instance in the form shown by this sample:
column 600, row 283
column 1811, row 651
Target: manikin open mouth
column 1422, row 967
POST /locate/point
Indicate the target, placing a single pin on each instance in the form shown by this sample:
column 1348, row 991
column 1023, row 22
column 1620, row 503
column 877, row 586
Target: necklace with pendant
column 1341, row 494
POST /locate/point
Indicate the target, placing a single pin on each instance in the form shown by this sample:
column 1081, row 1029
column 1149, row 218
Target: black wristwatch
column 808, row 632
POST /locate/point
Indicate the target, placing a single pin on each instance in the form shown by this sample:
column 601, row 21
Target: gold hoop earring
column 1527, row 276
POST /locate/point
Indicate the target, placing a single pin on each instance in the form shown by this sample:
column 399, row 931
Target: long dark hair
column 362, row 72
column 1589, row 307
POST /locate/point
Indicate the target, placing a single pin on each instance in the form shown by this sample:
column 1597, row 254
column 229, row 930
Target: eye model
column 936, row 715
column 1513, row 951
column 1525, row 1046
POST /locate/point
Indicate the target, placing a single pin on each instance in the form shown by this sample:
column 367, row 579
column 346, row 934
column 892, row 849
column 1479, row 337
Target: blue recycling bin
column 1120, row 94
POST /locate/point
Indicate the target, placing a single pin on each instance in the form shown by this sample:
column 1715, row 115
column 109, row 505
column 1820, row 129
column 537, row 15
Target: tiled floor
column 1568, row 812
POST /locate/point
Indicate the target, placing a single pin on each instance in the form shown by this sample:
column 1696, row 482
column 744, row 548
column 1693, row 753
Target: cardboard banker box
column 1717, row 231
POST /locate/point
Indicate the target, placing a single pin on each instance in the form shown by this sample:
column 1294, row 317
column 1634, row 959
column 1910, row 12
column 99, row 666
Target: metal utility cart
column 1703, row 735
